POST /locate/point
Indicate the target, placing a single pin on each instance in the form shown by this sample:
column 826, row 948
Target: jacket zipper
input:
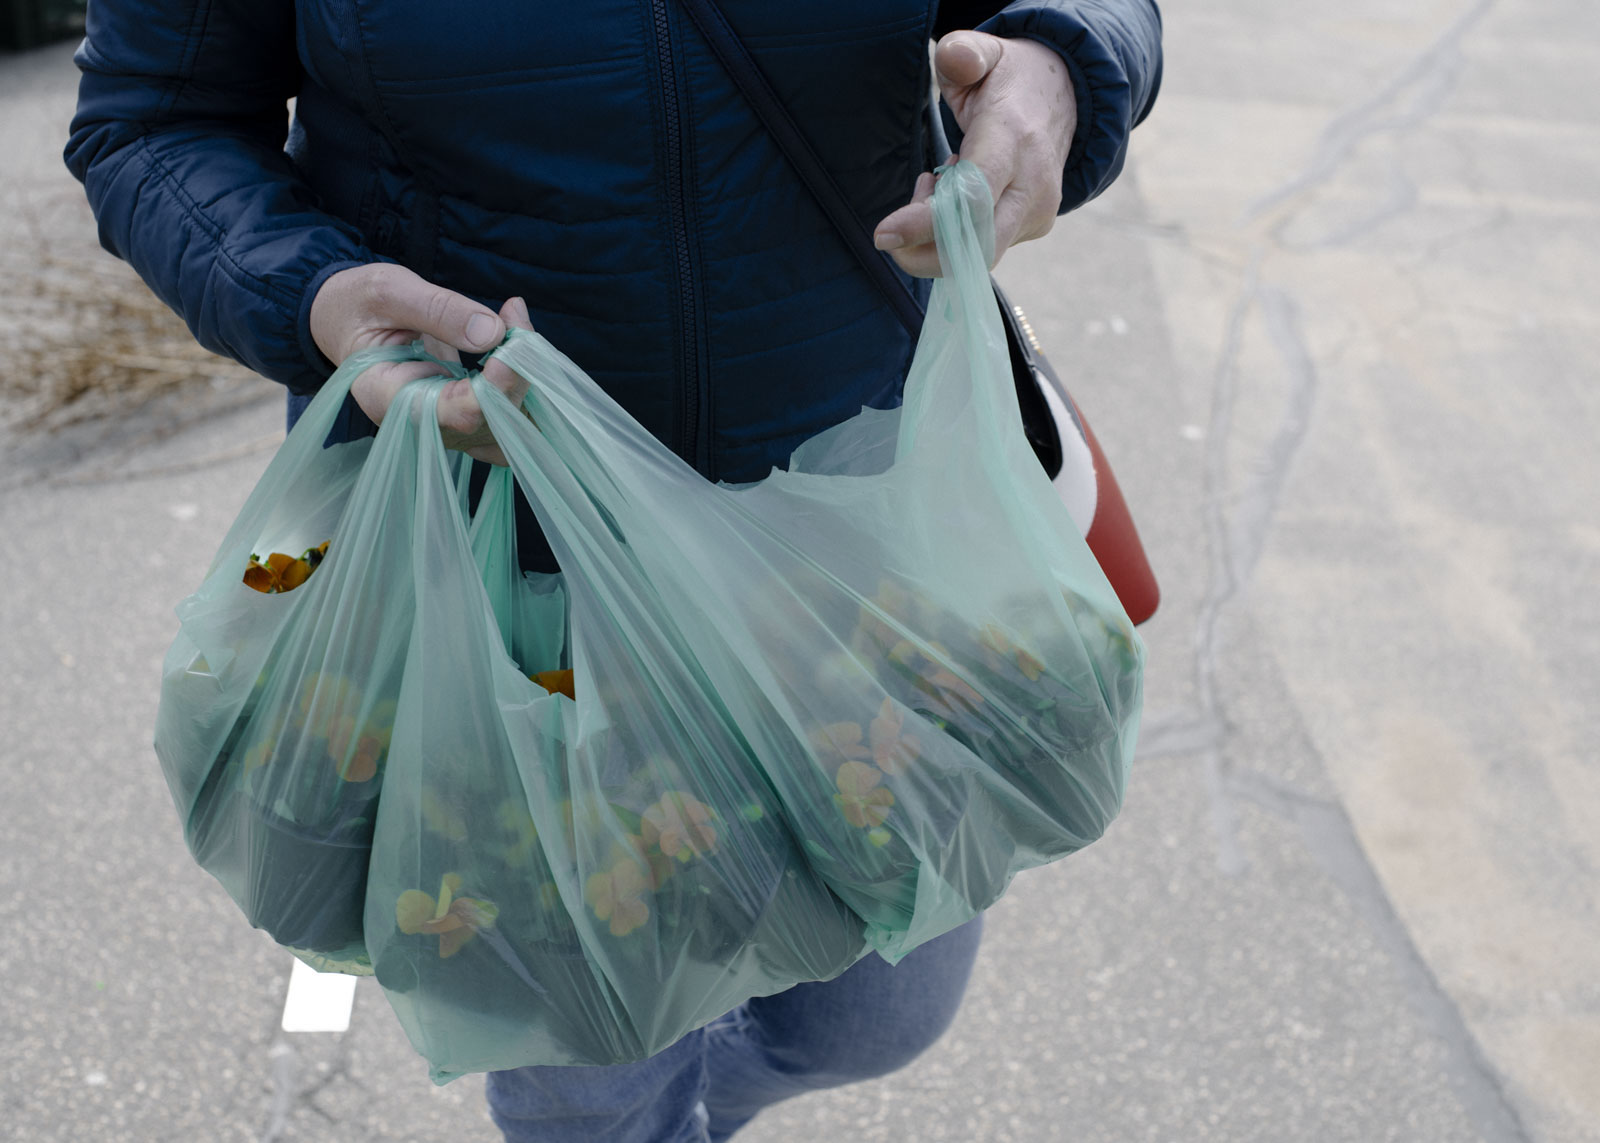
column 693, row 442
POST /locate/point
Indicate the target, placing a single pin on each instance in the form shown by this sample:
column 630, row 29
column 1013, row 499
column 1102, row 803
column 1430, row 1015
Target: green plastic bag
column 278, row 703
column 569, row 882
column 890, row 678
column 905, row 629
column 829, row 712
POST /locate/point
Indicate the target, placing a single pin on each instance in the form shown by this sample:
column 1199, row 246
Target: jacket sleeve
column 1112, row 49
column 178, row 140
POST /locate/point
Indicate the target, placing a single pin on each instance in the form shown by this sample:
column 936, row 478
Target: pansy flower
column 442, row 817
column 864, row 803
column 930, row 676
column 556, row 682
column 999, row 648
column 841, row 739
column 518, row 823
column 948, row 688
column 893, row 750
column 1030, row 666
column 679, row 826
column 455, row 919
column 356, row 756
column 617, row 895
column 281, row 572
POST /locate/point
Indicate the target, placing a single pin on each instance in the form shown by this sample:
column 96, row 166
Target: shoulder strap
column 747, row 75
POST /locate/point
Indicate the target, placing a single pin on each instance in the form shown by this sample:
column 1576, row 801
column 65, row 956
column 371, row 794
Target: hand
column 385, row 304
column 1014, row 102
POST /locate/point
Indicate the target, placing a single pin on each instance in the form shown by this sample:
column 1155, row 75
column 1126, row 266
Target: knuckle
column 438, row 309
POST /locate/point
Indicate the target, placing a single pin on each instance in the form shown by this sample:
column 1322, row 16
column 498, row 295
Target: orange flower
column 892, row 749
column 362, row 764
column 1031, row 667
column 355, row 756
column 617, row 895
column 293, row 574
column 259, row 578
column 864, row 803
column 950, row 689
column 282, row 572
column 840, row 738
column 679, row 826
column 999, row 646
column 994, row 637
column 456, row 920
column 904, row 653
column 324, row 697
column 556, row 682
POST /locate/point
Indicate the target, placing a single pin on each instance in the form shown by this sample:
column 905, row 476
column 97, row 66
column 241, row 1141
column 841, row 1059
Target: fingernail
column 481, row 329
column 888, row 240
column 522, row 312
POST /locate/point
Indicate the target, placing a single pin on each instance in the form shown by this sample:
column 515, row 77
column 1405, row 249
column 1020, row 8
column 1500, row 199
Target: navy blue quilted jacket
column 593, row 158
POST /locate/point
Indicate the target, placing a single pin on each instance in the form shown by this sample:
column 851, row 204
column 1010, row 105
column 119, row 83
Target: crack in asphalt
column 283, row 1063
column 1236, row 539
column 1425, row 81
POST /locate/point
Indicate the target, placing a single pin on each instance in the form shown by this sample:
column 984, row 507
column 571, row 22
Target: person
column 449, row 171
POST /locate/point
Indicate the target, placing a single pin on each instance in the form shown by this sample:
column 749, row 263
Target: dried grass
column 91, row 341
column 84, row 339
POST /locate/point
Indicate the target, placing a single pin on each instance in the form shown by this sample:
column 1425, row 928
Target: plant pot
column 308, row 887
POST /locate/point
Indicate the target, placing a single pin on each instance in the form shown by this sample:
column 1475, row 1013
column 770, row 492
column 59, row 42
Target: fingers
column 400, row 299
column 385, row 304
column 1015, row 104
column 461, row 420
column 515, row 314
column 374, row 390
column 908, row 233
column 436, row 348
column 964, row 58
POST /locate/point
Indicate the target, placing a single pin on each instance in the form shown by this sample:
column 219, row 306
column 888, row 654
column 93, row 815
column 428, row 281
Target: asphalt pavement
column 1335, row 328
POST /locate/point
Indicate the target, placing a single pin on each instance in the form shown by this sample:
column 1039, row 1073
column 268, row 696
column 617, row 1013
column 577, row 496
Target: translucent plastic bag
column 834, row 710
column 905, row 630
column 278, row 702
column 570, row 882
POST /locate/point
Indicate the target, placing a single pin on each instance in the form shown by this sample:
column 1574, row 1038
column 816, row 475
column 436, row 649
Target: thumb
column 965, row 58
column 403, row 300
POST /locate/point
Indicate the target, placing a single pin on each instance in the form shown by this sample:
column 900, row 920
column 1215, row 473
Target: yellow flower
column 679, row 826
column 903, row 653
column 892, row 749
column 948, row 688
column 843, row 739
column 455, row 919
column 994, row 637
column 258, row 755
column 864, row 803
column 516, row 821
column 999, row 646
column 357, row 762
column 1031, row 667
column 282, row 572
column 617, row 895
column 443, row 818
column 323, row 698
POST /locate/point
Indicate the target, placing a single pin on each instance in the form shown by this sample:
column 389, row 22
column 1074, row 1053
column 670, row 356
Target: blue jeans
column 870, row 1021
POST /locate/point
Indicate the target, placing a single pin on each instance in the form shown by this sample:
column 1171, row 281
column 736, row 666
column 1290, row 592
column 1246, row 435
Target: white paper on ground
column 318, row 1001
